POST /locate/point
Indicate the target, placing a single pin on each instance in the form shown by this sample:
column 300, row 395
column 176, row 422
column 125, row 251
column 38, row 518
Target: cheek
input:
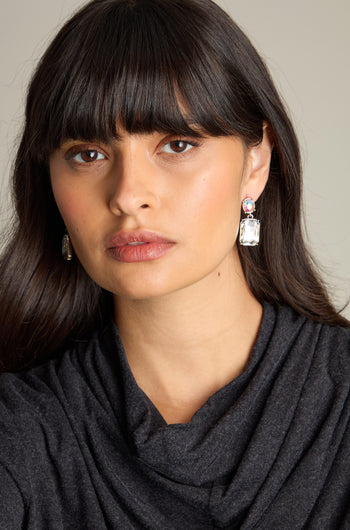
column 73, row 205
column 218, row 204
column 78, row 212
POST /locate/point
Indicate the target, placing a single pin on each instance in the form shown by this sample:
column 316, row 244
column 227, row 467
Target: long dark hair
column 143, row 62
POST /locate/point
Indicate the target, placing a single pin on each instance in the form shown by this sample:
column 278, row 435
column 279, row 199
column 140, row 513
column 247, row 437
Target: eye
column 178, row 146
column 85, row 156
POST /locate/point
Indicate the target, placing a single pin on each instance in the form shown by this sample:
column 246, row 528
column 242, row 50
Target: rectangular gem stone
column 249, row 232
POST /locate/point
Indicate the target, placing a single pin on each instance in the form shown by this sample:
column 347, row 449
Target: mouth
column 135, row 243
column 138, row 246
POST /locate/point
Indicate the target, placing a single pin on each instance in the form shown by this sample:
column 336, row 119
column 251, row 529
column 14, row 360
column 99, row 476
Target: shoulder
column 30, row 401
column 325, row 337
column 306, row 372
column 330, row 349
column 53, row 395
column 302, row 342
column 330, row 346
column 33, row 401
column 42, row 413
column 44, row 391
column 317, row 352
column 48, row 417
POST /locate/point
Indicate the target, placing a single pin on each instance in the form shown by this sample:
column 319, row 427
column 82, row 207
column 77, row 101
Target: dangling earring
column 249, row 231
column 67, row 249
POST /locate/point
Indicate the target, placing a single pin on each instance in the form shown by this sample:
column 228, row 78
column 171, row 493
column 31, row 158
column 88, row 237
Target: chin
column 140, row 288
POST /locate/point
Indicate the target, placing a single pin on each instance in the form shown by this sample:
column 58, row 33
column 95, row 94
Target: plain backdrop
column 306, row 46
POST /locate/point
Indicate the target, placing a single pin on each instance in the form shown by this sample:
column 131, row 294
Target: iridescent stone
column 248, row 205
column 249, row 232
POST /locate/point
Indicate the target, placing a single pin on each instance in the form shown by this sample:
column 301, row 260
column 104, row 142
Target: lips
column 138, row 246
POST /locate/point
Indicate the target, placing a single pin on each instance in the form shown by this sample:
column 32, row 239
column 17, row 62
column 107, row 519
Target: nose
column 132, row 188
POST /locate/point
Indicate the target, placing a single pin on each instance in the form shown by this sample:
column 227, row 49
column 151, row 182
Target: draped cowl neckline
column 273, row 430
column 81, row 445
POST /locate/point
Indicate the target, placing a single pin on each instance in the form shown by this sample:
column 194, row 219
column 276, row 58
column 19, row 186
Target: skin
column 190, row 311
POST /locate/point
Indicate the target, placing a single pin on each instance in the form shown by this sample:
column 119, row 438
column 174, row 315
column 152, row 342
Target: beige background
column 306, row 45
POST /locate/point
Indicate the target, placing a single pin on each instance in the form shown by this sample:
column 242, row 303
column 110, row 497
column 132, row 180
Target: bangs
column 139, row 66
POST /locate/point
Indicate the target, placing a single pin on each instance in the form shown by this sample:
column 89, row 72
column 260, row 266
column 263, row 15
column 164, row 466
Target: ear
column 257, row 166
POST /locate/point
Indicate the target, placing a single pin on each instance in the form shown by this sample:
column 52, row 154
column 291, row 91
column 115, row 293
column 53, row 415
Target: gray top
column 82, row 447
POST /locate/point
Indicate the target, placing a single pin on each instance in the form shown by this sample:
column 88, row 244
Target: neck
column 186, row 345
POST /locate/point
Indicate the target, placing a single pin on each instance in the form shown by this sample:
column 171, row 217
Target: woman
column 169, row 373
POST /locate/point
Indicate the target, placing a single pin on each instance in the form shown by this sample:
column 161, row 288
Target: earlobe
column 258, row 166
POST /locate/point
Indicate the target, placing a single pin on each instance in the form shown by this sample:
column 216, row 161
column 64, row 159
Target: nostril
column 144, row 206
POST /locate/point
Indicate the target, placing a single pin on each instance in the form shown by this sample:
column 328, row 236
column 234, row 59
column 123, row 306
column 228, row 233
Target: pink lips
column 131, row 247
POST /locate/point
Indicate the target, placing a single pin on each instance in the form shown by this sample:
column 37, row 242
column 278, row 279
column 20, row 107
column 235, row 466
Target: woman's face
column 149, row 214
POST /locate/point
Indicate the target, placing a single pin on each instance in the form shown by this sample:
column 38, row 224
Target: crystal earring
column 67, row 250
column 249, row 230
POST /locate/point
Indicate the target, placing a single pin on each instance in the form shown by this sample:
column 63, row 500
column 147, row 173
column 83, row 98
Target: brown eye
column 177, row 146
column 89, row 156
column 86, row 155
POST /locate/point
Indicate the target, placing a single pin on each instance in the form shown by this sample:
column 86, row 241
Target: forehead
column 148, row 73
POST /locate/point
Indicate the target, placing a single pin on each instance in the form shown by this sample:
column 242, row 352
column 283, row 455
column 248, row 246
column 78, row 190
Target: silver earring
column 249, row 230
column 67, row 249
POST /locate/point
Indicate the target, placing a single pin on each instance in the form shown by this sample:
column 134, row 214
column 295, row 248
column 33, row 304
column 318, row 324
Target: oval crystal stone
column 248, row 205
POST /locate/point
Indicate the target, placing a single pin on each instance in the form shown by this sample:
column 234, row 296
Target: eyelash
column 189, row 144
column 77, row 151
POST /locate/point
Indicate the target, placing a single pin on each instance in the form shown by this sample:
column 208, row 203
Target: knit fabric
column 82, row 447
